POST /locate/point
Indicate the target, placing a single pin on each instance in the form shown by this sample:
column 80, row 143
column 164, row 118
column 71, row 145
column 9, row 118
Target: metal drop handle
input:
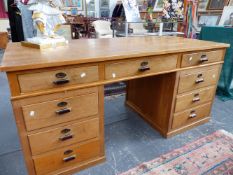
column 70, row 158
column 193, row 114
column 144, row 66
column 204, row 58
column 63, row 111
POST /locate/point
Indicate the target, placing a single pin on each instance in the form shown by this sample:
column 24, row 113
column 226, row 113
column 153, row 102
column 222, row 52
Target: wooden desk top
column 18, row 58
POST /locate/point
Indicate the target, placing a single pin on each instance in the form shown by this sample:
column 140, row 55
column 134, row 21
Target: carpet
column 211, row 155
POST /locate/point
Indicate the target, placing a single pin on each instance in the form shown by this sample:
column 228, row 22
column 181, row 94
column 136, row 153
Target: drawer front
column 64, row 136
column 57, row 78
column 200, row 58
column 139, row 67
column 198, row 78
column 66, row 157
column 194, row 98
column 61, row 110
column 191, row 115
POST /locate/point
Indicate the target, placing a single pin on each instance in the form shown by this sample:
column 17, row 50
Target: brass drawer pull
column 61, row 81
column 199, row 80
column 144, row 67
column 63, row 111
column 193, row 114
column 204, row 58
column 66, row 137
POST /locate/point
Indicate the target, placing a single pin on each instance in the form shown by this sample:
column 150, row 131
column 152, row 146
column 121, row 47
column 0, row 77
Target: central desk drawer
column 199, row 58
column 57, row 78
column 61, row 110
column 63, row 136
column 194, row 98
column 198, row 78
column 66, row 157
column 141, row 66
column 191, row 115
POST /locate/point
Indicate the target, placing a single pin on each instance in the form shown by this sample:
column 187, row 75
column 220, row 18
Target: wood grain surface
column 18, row 57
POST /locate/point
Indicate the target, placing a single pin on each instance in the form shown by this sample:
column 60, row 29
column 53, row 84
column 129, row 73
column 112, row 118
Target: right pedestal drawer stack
column 196, row 88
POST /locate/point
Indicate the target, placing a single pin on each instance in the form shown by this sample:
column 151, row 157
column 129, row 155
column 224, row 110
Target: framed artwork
column 230, row 3
column 202, row 5
column 208, row 20
column 227, row 16
column 217, row 4
column 158, row 6
column 78, row 4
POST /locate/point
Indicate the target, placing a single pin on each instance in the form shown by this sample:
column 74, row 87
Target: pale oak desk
column 58, row 94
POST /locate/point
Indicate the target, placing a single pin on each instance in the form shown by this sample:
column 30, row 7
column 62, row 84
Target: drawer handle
column 204, row 58
column 70, row 158
column 61, row 81
column 144, row 67
column 193, row 114
column 199, row 80
column 66, row 137
column 62, row 104
column 196, row 98
column 65, row 131
column 60, row 75
column 63, row 111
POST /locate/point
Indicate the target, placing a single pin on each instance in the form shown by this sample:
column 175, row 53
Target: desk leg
column 101, row 116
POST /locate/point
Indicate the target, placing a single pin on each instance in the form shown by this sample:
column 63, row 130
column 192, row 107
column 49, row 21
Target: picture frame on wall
column 70, row 4
column 217, row 4
column 208, row 20
column 202, row 5
column 158, row 6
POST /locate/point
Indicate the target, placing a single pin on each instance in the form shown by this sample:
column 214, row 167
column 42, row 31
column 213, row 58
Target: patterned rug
column 211, row 155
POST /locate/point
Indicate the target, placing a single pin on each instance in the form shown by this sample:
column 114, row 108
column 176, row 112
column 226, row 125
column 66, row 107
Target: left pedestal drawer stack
column 62, row 131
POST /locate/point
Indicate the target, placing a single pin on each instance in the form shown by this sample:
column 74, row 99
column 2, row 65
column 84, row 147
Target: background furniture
column 138, row 28
column 59, row 103
column 224, row 35
column 103, row 29
column 3, row 40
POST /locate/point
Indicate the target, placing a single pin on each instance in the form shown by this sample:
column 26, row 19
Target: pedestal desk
column 58, row 93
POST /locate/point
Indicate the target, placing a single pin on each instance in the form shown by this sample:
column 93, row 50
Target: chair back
column 102, row 27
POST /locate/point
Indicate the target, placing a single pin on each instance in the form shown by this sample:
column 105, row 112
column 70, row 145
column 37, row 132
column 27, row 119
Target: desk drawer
column 140, row 66
column 57, row 78
column 194, row 98
column 200, row 58
column 63, row 136
column 191, row 115
column 198, row 78
column 49, row 113
column 66, row 157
